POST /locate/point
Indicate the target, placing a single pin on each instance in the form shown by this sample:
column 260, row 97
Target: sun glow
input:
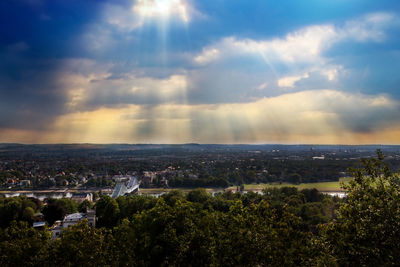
column 162, row 9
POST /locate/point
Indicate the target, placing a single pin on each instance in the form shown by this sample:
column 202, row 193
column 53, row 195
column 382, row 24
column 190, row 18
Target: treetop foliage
column 281, row 227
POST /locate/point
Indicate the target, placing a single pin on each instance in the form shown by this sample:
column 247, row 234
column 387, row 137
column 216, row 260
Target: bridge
column 125, row 185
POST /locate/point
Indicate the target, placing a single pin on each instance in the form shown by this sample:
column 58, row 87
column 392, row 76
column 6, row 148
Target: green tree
column 172, row 196
column 82, row 245
column 178, row 235
column 199, row 195
column 294, row 178
column 18, row 209
column 54, row 211
column 85, row 205
column 107, row 211
column 367, row 230
column 28, row 214
column 69, row 205
column 9, row 211
column 259, row 235
column 21, row 245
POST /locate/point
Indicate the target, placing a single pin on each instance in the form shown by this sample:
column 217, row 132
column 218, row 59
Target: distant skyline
column 186, row 71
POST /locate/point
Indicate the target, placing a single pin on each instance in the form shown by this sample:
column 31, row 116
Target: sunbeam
column 163, row 9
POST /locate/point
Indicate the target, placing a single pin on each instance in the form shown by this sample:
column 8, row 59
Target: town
column 98, row 228
column 96, row 167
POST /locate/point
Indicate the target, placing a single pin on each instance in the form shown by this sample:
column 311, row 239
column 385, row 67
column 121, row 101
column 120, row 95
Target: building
column 80, row 197
column 56, row 230
column 74, row 218
column 39, row 225
column 148, row 177
column 125, row 185
column 91, row 217
column 24, row 183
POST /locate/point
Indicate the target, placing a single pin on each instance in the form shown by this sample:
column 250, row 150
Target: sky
column 183, row 71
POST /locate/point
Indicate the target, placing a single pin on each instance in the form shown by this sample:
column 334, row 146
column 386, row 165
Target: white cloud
column 262, row 86
column 328, row 115
column 76, row 78
column 208, row 55
column 370, row 27
column 299, row 52
column 169, row 89
column 90, row 90
column 122, row 17
column 321, row 116
column 331, row 73
column 304, row 45
column 289, row 81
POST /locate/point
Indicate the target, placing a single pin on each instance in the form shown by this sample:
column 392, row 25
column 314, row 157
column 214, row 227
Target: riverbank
column 331, row 188
column 57, row 190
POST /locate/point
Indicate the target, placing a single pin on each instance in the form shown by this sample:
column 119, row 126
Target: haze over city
column 179, row 71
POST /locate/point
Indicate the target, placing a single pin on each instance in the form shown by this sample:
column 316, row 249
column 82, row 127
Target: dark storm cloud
column 34, row 38
column 29, row 95
column 371, row 119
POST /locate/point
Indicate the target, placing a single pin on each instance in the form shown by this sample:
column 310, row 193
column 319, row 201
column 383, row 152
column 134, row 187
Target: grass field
column 323, row 186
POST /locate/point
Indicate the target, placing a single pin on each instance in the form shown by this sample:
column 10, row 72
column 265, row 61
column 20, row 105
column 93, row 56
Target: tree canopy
column 281, row 227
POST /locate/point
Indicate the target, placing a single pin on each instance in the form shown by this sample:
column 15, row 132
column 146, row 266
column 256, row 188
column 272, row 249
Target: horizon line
column 193, row 143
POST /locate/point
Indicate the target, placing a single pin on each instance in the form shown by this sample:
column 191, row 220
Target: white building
column 74, row 218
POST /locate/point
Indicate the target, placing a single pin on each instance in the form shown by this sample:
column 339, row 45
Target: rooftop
column 39, row 224
column 74, row 216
